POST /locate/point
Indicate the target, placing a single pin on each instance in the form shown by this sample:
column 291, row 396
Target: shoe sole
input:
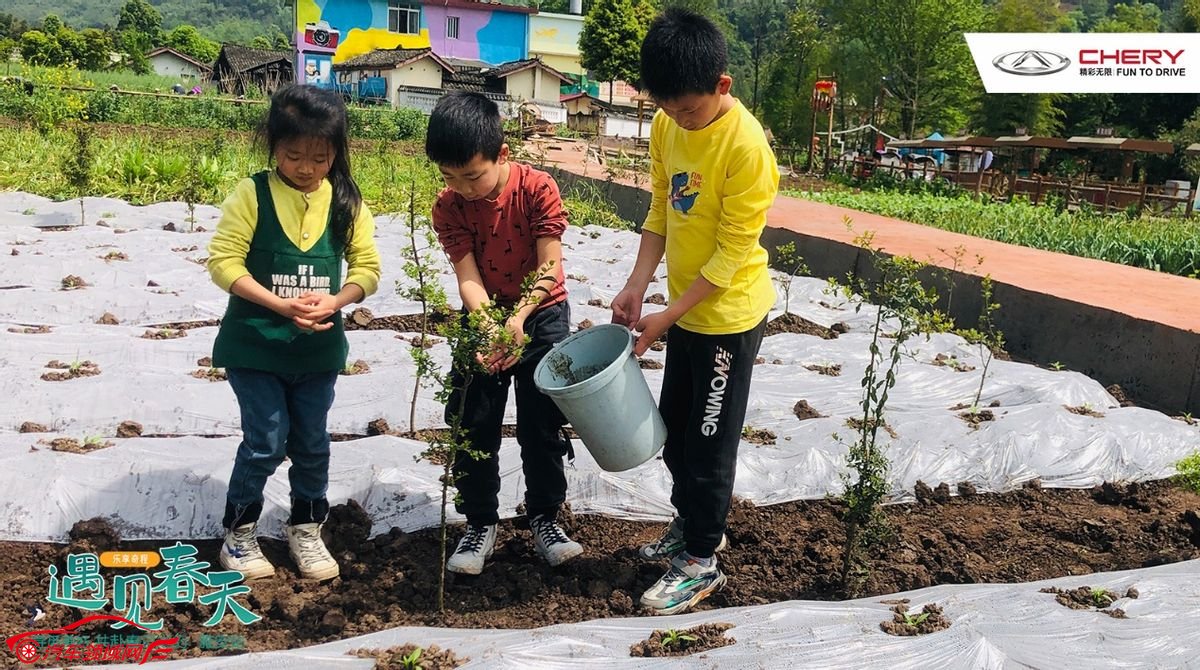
column 563, row 558
column 321, row 575
column 658, row 557
column 468, row 571
column 246, row 574
column 717, row 585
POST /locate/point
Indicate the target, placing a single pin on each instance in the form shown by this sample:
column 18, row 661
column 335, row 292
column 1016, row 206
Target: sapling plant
column 1189, row 471
column 901, row 301
column 472, row 339
column 77, row 168
column 792, row 264
column 986, row 337
column 673, row 638
column 412, row 661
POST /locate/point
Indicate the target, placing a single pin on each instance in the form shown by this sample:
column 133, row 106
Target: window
column 452, row 27
column 404, row 17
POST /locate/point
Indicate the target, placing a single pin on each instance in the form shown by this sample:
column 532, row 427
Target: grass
column 128, row 81
column 144, row 170
column 1164, row 245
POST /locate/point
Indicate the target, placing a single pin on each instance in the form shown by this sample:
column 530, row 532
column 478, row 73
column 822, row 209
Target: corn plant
column 901, row 300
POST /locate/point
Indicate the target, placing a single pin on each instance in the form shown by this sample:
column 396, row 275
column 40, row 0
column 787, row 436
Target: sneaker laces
column 669, row 536
column 549, row 532
column 310, row 547
column 245, row 542
column 472, row 542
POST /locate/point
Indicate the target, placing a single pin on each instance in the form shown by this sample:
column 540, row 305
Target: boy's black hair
column 683, row 53
column 463, row 124
column 307, row 111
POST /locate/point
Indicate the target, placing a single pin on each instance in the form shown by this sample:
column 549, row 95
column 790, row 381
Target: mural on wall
column 555, row 37
column 318, row 69
column 493, row 34
column 332, row 31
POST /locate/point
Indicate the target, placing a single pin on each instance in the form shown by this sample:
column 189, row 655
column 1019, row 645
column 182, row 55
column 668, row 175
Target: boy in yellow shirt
column 713, row 178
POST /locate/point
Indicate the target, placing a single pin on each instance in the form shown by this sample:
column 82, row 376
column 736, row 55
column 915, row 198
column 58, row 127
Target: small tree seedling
column 792, row 264
column 412, row 661
column 78, row 166
column 673, row 638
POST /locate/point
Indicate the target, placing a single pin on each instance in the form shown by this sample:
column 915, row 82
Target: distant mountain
column 221, row 20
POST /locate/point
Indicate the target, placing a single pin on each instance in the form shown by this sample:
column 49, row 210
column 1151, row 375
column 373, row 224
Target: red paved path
column 1142, row 294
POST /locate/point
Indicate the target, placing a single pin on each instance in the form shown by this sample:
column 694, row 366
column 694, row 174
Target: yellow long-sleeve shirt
column 303, row 217
column 711, row 189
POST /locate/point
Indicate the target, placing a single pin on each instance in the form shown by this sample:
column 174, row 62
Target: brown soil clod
column 791, row 323
column 205, row 362
column 944, row 361
column 30, row 330
column 804, row 411
column 1084, row 410
column 186, row 325
column 930, row 620
column 834, row 370
column 31, row 427
column 857, row 424
column 114, row 256
column 841, row 328
column 1088, row 598
column 758, row 436
column 759, row 360
column 927, row 496
column 429, row 658
column 978, row 418
column 361, row 317
column 185, row 249
column 358, row 367
column 211, row 374
column 163, row 334
column 169, row 227
column 684, row 642
column 108, row 319
column 378, row 427
column 649, row 364
column 95, row 535
column 72, row 282
column 73, row 446
column 1119, row 395
column 427, row 343
column 129, row 429
column 656, row 299
column 826, row 305
column 658, row 345
column 595, row 302
column 70, row 370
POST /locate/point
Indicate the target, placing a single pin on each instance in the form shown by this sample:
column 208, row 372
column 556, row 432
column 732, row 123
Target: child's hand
column 627, row 307
column 503, row 358
column 320, row 306
column 652, row 327
column 310, row 324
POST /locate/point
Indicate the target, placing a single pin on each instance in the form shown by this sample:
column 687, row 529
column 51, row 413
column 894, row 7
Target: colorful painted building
column 555, row 38
column 334, row 31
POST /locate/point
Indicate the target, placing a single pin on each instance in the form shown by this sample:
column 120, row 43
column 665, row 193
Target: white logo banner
column 1087, row 62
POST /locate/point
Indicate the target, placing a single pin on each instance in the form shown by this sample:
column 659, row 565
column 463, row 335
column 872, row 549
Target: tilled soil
column 776, row 553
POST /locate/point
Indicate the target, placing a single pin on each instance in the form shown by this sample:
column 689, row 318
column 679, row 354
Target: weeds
column 1189, row 472
column 672, row 638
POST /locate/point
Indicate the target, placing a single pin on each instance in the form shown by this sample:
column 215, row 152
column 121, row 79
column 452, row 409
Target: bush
column 1189, row 472
column 104, row 106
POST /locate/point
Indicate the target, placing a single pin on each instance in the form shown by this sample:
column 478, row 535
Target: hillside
column 221, row 20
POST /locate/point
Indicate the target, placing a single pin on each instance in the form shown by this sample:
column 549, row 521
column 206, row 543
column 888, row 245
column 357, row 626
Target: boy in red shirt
column 499, row 221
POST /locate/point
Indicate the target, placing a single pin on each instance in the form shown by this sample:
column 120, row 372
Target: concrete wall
column 1155, row 365
column 424, row 73
column 555, row 37
column 522, row 85
column 169, row 65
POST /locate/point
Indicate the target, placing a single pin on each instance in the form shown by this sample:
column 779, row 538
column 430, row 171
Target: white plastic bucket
column 595, row 380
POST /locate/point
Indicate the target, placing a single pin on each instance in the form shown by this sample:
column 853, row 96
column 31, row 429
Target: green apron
column 252, row 336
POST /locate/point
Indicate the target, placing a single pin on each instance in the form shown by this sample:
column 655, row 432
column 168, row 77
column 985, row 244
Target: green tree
column 786, row 101
column 1139, row 17
column 261, row 42
column 611, row 40
column 1001, row 113
column 136, row 46
column 52, row 24
column 920, row 46
column 38, row 48
column 187, row 39
column 1190, row 11
column 139, row 16
column 761, row 25
column 11, row 27
column 96, row 46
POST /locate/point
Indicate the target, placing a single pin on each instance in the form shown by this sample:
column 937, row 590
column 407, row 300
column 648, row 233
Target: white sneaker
column 309, row 552
column 551, row 542
column 241, row 552
column 473, row 550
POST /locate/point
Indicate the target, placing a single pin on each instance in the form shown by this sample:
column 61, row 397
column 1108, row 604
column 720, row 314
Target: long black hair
column 307, row 111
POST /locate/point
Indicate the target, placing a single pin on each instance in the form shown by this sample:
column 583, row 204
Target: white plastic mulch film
column 174, row 487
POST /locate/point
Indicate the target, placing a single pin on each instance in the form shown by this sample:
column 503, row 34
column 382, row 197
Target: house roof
column 387, row 59
column 521, row 65
column 182, row 56
column 242, row 58
column 482, row 5
column 1123, row 144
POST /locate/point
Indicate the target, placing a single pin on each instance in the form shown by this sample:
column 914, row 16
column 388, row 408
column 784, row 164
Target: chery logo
column 1031, row 63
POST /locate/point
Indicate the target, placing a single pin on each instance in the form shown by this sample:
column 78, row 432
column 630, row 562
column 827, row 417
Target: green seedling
column 1057, row 366
column 915, row 620
column 673, row 638
column 412, row 661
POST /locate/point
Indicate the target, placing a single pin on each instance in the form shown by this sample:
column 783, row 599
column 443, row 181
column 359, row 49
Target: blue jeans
column 283, row 415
